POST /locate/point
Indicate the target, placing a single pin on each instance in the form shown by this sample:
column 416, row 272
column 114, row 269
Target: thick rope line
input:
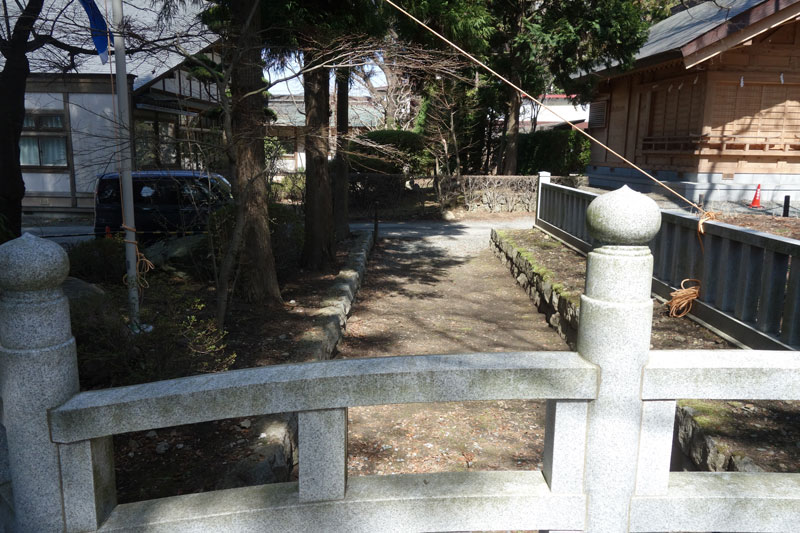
column 522, row 92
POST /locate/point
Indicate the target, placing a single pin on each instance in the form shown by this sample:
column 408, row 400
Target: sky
column 295, row 85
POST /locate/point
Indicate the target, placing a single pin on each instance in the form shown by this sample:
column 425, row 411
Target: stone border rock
column 707, row 453
column 319, row 343
column 560, row 309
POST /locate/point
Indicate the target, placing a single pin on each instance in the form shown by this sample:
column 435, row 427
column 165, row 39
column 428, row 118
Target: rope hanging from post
column 681, row 302
column 143, row 264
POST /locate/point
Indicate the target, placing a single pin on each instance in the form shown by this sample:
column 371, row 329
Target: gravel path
column 442, row 291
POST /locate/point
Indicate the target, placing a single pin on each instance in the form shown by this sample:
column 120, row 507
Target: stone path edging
column 561, row 312
column 277, row 449
column 319, row 343
column 706, row 452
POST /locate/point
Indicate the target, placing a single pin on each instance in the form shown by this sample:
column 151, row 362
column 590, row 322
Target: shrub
column 560, row 152
column 184, row 339
column 367, row 189
column 389, row 152
column 291, row 188
column 98, row 260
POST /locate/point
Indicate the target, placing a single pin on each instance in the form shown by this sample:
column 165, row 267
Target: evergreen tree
column 316, row 28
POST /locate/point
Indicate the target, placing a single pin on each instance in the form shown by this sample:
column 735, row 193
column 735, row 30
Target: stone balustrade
column 609, row 421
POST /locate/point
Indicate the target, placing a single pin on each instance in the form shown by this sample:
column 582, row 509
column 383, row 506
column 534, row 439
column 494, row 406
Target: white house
column 71, row 134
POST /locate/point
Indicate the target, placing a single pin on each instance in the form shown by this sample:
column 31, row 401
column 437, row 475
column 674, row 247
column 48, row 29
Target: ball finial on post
column 30, row 264
column 39, row 372
column 614, row 334
column 31, row 272
column 623, row 217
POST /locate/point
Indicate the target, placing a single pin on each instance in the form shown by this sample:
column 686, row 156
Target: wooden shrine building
column 712, row 105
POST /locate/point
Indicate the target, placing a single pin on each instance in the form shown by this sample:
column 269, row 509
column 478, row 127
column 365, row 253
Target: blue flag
column 97, row 24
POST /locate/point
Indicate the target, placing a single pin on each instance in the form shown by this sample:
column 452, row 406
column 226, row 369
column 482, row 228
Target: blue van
column 166, row 202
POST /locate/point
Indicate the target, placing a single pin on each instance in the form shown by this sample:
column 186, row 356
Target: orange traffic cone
column 756, row 203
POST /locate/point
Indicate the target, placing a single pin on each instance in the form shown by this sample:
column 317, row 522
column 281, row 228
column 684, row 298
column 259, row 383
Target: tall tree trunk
column 512, row 132
column 488, row 142
column 12, row 112
column 455, row 143
column 259, row 282
column 341, row 184
column 318, row 250
column 392, row 92
column 12, row 115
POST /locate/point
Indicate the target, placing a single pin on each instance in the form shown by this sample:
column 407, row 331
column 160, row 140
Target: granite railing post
column 614, row 334
column 38, row 371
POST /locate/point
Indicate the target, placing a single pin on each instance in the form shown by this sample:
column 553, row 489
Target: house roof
column 67, row 21
column 672, row 33
column 290, row 111
column 711, row 26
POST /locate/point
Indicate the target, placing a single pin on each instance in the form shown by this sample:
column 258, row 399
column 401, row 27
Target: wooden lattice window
column 598, row 114
column 676, row 110
column 756, row 113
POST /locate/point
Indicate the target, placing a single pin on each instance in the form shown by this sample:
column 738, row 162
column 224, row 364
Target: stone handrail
column 324, row 385
column 722, row 375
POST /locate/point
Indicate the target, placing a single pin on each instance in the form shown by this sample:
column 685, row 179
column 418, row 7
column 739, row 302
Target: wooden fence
column 750, row 280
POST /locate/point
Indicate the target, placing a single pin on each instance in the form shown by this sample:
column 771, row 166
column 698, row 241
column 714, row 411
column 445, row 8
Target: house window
column 156, row 144
column 597, row 114
column 43, row 142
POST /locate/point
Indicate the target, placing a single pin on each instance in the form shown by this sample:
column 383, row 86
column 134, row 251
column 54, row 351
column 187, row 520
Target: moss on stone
column 711, row 416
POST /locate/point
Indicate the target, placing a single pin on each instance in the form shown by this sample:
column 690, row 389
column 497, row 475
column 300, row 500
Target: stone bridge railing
column 609, row 421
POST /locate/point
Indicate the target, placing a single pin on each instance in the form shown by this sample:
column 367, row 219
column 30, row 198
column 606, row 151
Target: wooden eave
column 171, row 71
column 662, row 60
column 70, row 82
column 739, row 29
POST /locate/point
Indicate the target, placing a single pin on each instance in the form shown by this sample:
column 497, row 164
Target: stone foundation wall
column 561, row 311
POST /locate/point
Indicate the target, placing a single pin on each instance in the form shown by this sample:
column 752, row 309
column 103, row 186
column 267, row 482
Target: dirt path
column 443, row 294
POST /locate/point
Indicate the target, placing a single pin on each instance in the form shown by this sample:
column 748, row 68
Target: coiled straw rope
column 681, row 302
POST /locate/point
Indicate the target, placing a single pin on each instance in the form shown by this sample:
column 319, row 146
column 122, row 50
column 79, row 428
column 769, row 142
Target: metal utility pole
column 123, row 116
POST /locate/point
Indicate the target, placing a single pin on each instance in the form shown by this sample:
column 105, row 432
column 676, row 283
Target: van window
column 108, row 191
column 155, row 191
column 195, row 193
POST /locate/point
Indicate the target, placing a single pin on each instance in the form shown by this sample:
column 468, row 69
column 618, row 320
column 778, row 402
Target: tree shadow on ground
column 397, row 263
column 418, row 298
